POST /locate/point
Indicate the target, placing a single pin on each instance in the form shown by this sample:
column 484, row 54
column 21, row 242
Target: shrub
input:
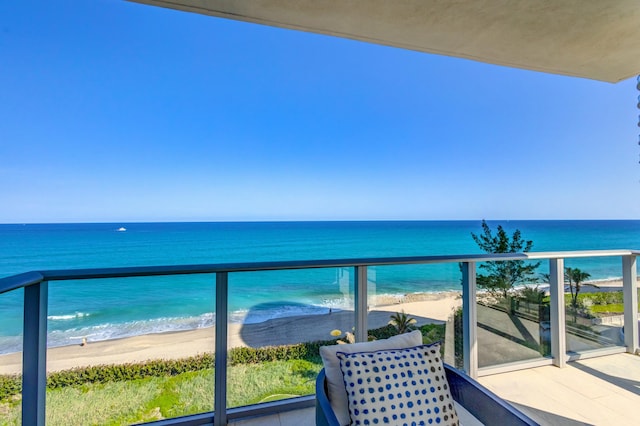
column 10, row 385
column 384, row 332
column 432, row 333
column 532, row 294
column 306, row 351
column 124, row 372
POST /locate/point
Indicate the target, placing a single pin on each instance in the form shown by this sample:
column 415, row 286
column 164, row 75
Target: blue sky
column 115, row 111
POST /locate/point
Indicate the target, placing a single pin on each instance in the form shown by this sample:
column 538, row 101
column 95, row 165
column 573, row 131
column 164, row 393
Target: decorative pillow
column 335, row 384
column 400, row 387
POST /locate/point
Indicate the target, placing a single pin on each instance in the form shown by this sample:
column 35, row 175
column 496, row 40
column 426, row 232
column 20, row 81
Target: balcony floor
column 595, row 391
column 305, row 417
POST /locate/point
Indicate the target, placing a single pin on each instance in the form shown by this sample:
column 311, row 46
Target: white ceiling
column 595, row 39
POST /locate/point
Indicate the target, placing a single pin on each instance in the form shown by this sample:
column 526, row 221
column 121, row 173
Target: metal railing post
column 220, row 384
column 630, row 293
column 34, row 354
column 360, row 296
column 469, row 319
column 557, row 312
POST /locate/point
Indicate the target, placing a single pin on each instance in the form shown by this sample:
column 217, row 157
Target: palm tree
column 576, row 279
column 402, row 322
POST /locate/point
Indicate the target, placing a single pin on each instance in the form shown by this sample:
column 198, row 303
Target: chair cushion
column 335, row 384
column 398, row 386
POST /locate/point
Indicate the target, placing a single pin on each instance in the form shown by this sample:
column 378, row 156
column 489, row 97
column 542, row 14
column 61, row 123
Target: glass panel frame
column 514, row 327
column 146, row 342
column 278, row 320
column 594, row 308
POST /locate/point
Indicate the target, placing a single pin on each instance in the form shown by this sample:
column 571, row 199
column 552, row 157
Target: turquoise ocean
column 109, row 309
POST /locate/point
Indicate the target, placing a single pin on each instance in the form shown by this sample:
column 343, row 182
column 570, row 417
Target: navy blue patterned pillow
column 398, row 387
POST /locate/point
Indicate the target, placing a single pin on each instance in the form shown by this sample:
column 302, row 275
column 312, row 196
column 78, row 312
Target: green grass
column 614, row 308
column 609, row 302
column 155, row 398
column 252, row 384
column 108, row 404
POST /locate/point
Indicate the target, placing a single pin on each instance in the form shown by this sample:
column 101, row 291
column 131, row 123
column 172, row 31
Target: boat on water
column 122, row 229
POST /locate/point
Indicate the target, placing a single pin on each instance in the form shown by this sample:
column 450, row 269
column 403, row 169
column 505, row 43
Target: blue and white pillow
column 335, row 382
column 398, row 387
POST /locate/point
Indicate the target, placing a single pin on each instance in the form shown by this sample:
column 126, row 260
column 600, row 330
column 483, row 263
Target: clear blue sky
column 116, row 111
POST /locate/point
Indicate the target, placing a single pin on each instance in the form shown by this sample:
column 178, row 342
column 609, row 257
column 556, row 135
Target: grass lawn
column 155, row 398
column 609, row 302
column 614, row 308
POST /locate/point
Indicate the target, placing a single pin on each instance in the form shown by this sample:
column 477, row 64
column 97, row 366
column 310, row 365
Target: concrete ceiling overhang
column 595, row 39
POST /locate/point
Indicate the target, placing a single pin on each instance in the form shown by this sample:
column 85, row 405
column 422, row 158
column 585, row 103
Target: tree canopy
column 502, row 276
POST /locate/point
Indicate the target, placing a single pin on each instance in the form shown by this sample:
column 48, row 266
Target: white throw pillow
column 398, row 386
column 335, row 383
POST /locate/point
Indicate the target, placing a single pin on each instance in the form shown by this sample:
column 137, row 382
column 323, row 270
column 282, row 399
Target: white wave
column 67, row 317
column 109, row 331
column 339, row 303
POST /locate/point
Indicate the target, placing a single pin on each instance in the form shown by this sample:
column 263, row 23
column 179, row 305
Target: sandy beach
column 424, row 307
column 610, row 283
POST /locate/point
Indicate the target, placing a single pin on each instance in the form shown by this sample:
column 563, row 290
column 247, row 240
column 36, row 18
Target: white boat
column 122, row 229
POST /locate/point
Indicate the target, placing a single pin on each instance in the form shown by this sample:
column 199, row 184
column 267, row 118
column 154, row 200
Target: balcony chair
column 474, row 404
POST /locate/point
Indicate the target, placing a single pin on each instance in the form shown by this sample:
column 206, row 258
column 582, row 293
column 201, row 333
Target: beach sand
column 610, row 283
column 424, row 307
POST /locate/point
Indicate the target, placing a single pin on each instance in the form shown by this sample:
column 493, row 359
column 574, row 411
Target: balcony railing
column 477, row 319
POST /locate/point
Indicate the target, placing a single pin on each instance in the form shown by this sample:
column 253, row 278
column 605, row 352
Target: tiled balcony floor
column 306, row 417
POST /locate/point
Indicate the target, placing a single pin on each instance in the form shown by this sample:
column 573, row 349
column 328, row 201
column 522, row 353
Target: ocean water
column 107, row 309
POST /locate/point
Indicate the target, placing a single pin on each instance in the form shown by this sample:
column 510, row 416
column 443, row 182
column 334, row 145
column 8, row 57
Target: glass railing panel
column 11, row 355
column 424, row 297
column 594, row 304
column 276, row 319
column 130, row 350
column 513, row 316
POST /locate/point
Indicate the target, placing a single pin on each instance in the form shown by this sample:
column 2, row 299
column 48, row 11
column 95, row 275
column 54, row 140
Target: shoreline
column 424, row 307
column 67, row 334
